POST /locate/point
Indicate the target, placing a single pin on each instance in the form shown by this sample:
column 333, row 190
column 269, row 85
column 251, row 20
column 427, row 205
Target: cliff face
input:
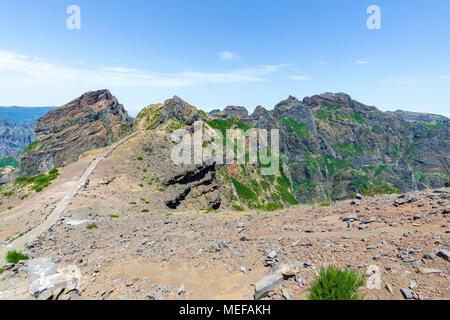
column 335, row 146
column 94, row 120
column 14, row 138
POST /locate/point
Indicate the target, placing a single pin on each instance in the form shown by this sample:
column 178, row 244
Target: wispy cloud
column 302, row 78
column 362, row 62
column 445, row 77
column 227, row 55
column 21, row 70
column 403, row 81
column 322, row 62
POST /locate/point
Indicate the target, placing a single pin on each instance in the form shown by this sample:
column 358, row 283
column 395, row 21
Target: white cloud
column 362, row 62
column 20, row 70
column 322, row 62
column 445, row 77
column 226, row 55
column 302, row 78
column 403, row 81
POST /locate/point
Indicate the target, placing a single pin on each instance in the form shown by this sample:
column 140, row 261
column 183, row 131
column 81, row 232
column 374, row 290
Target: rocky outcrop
column 94, row 120
column 231, row 112
column 14, row 138
column 178, row 109
column 335, row 146
column 419, row 116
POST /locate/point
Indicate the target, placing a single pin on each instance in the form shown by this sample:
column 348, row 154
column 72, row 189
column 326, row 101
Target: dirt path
column 61, row 206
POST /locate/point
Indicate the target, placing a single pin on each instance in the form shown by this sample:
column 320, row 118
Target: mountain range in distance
column 331, row 146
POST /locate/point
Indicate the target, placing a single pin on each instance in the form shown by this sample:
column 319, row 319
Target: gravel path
column 29, row 237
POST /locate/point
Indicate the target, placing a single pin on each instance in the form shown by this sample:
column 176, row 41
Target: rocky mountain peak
column 180, row 110
column 259, row 112
column 94, row 120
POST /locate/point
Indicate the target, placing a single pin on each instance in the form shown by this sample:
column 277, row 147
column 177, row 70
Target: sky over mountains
column 214, row 54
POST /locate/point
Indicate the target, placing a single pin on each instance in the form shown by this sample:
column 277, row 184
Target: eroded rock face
column 94, row 120
column 334, row 146
column 180, row 110
column 231, row 112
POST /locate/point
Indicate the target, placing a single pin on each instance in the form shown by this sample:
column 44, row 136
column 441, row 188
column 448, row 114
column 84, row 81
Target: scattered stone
column 430, row 256
column 407, row 294
column 350, row 218
column 389, row 288
column 368, row 220
column 267, row 284
column 445, row 254
column 243, row 270
column 45, row 295
column 287, row 294
column 423, row 270
column 181, row 290
column 271, row 259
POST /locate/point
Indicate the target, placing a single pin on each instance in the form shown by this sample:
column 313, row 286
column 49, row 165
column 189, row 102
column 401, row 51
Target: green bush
column 237, row 207
column 301, row 129
column 38, row 182
column 91, row 226
column 9, row 161
column 325, row 204
column 383, row 188
column 31, row 146
column 333, row 283
column 271, row 206
column 15, row 256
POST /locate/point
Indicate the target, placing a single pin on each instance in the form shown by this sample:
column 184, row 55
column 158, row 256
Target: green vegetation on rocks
column 38, row 182
column 300, row 128
column 9, row 161
column 15, row 256
column 333, row 283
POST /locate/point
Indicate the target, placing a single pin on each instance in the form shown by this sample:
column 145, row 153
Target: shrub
column 15, row 256
column 237, row 207
column 91, row 226
column 271, row 206
column 325, row 204
column 40, row 181
column 1, row 271
column 114, row 216
column 145, row 210
column 383, row 188
column 139, row 158
column 333, row 283
column 9, row 161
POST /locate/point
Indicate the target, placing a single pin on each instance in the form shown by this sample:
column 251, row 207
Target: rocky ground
column 164, row 254
column 138, row 248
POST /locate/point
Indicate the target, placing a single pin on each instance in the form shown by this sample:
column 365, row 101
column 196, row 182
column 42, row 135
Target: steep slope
column 336, row 146
column 94, row 120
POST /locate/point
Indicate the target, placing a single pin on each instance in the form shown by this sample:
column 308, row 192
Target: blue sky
column 218, row 53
